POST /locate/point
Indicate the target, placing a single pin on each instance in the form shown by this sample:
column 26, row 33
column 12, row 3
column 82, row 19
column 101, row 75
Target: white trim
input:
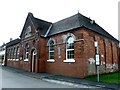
column 25, row 59
column 48, row 30
column 68, row 35
column 69, row 60
column 50, row 40
column 17, row 59
column 51, row 60
column 51, row 50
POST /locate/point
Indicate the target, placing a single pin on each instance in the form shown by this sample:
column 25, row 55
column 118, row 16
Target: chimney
column 92, row 21
column 11, row 39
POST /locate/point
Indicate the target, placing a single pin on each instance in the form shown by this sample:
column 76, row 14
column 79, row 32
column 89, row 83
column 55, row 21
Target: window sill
column 25, row 59
column 51, row 60
column 17, row 59
column 69, row 60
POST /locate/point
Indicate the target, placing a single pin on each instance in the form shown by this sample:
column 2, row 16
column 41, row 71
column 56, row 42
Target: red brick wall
column 84, row 50
column 42, row 54
column 74, row 69
column 84, row 54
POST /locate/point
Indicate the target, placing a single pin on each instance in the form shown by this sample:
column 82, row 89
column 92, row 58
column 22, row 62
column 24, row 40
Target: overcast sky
column 13, row 14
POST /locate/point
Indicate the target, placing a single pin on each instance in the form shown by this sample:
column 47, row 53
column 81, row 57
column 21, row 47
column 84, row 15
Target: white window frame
column 17, row 53
column 11, row 54
column 8, row 57
column 51, row 60
column 69, row 60
column 26, row 52
column 14, row 56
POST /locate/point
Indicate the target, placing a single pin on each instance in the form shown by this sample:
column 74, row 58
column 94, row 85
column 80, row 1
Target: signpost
column 97, row 59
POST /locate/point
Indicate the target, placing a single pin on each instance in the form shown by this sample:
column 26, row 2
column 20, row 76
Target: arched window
column 51, row 49
column 26, row 52
column 14, row 52
column 70, row 48
column 17, row 52
column 11, row 53
column 8, row 57
column 28, row 32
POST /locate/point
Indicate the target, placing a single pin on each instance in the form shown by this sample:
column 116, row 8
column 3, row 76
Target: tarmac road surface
column 11, row 79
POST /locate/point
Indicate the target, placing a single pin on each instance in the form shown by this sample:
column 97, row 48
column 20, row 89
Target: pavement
column 65, row 79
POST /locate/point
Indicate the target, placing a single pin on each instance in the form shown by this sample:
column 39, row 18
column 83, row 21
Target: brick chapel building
column 65, row 47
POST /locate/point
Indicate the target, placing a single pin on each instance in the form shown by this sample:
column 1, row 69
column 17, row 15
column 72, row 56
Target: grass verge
column 113, row 78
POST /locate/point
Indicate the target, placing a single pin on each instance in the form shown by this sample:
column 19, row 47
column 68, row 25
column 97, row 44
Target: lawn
column 113, row 78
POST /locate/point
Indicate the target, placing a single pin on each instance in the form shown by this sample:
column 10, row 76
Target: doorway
column 33, row 61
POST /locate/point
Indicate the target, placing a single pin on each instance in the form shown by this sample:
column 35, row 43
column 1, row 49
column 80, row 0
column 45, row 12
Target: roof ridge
column 64, row 19
column 94, row 23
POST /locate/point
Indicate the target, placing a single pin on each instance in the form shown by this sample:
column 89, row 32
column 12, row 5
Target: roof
column 3, row 45
column 42, row 25
column 76, row 21
column 38, row 23
column 13, row 42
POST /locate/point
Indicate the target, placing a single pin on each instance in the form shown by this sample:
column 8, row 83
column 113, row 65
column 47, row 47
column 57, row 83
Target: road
column 11, row 79
column 15, row 80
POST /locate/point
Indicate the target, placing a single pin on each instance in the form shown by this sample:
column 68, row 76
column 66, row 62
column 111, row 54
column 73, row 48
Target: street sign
column 97, row 56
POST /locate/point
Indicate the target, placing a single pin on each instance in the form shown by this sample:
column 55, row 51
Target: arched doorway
column 34, row 60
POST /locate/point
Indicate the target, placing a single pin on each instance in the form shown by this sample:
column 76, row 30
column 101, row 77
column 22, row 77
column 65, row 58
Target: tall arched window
column 14, row 52
column 70, row 48
column 51, row 49
column 11, row 53
column 17, row 52
column 8, row 54
column 26, row 52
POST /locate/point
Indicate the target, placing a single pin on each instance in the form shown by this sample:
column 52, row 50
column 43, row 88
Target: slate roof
column 43, row 25
column 13, row 42
column 76, row 21
column 38, row 23
column 48, row 29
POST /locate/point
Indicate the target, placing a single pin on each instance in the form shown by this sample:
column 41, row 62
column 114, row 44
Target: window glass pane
column 27, row 50
column 70, row 54
column 51, row 55
column 70, row 40
column 70, row 43
column 51, row 50
column 70, row 48
column 51, row 45
column 11, row 54
column 27, row 55
column 17, row 52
